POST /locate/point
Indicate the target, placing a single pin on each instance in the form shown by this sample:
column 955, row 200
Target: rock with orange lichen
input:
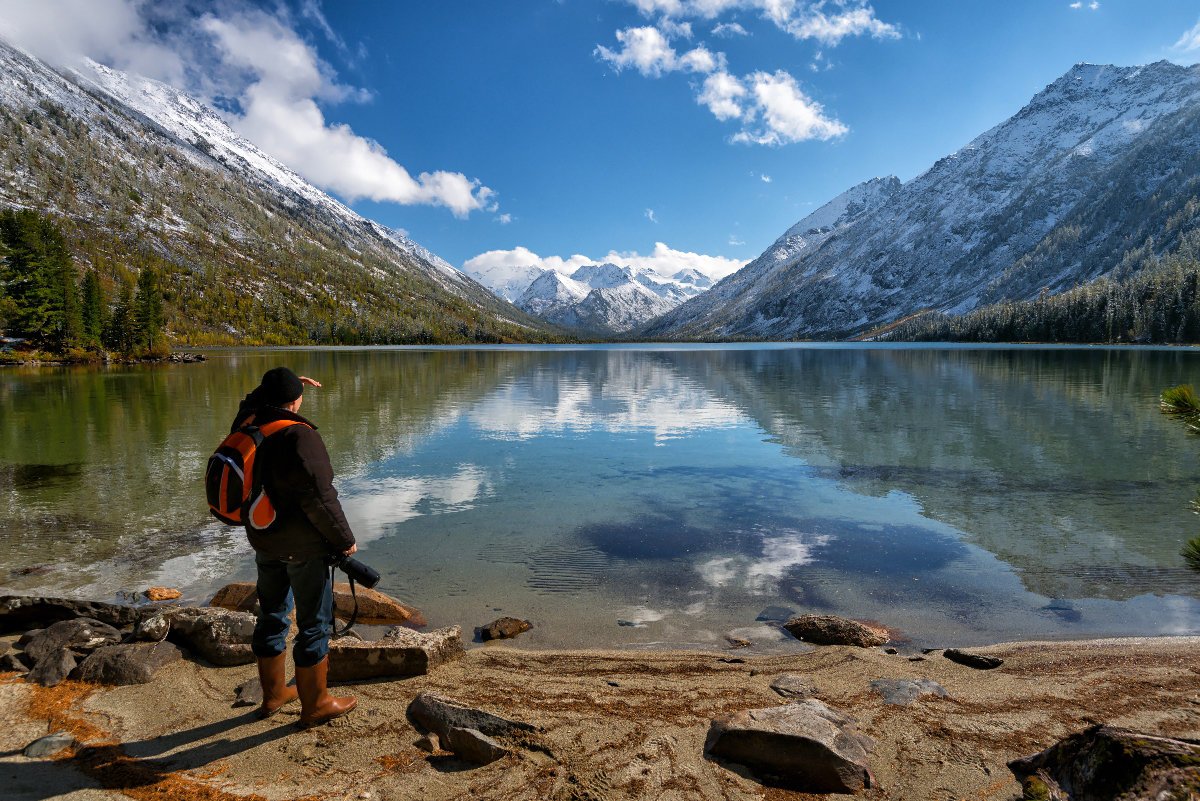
column 374, row 608
column 834, row 630
column 163, row 594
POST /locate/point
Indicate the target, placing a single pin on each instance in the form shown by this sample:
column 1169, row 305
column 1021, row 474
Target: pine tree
column 148, row 313
column 93, row 310
column 119, row 335
column 39, row 280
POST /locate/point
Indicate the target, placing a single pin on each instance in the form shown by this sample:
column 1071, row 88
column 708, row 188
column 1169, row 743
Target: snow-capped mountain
column 138, row 169
column 602, row 299
column 1100, row 170
column 735, row 294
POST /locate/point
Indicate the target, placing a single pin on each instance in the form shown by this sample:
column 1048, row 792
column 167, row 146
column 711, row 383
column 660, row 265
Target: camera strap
column 353, row 594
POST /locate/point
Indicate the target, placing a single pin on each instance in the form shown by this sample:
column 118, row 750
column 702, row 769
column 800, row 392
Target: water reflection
column 959, row 494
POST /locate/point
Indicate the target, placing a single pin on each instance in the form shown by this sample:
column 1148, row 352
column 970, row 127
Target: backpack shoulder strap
column 278, row 425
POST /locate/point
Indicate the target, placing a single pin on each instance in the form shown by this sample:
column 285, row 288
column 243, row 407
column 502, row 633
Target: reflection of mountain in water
column 1058, row 462
column 101, row 468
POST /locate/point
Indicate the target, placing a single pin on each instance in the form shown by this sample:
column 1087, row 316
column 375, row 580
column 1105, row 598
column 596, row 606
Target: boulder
column 1105, row 763
column 26, row 611
column 503, row 628
column 135, row 663
column 789, row 685
column 439, row 714
column 902, row 692
column 374, row 607
column 152, row 629
column 13, row 661
column 217, row 635
column 806, row 745
column 80, row 635
column 52, row 670
column 473, row 745
column 977, row 661
column 834, row 630
column 399, row 652
column 49, row 745
column 162, row 594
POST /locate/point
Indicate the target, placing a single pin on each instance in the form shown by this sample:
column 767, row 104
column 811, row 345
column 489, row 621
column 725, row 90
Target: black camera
column 358, row 572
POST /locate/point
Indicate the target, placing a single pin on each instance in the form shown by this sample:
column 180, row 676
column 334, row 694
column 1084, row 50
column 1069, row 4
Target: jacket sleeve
column 311, row 482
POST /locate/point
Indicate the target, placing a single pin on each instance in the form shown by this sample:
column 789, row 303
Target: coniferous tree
column 40, row 281
column 119, row 334
column 148, row 314
column 92, row 310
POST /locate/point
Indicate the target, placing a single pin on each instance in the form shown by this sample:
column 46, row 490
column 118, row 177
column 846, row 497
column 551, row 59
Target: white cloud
column 648, row 51
column 675, row 29
column 663, row 259
column 1190, row 40
column 728, row 30
column 1077, row 4
column 785, row 114
column 504, row 219
column 258, row 60
column 1094, row 5
column 735, row 242
column 828, row 21
column 766, row 179
column 723, row 94
column 650, row 216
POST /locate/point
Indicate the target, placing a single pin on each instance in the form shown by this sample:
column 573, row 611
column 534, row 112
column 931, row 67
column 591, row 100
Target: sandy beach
column 619, row 725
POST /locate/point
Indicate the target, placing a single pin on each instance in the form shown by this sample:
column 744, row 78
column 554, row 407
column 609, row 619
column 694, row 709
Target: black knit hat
column 279, row 386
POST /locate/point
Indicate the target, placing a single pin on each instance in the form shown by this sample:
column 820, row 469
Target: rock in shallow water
column 834, row 630
column 503, row 628
column 1105, row 763
column 22, row 611
column 808, row 745
column 374, row 608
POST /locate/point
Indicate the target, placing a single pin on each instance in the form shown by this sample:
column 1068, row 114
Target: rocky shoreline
column 142, row 701
column 16, row 360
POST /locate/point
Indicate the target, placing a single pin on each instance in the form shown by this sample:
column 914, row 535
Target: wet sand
column 620, row 725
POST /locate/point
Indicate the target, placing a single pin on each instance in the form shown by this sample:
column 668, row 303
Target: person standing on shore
column 292, row 552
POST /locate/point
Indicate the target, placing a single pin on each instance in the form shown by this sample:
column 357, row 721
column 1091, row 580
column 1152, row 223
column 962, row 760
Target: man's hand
column 312, row 382
column 353, row 549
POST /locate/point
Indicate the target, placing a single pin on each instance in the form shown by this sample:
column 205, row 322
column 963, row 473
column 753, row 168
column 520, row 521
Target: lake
column 645, row 496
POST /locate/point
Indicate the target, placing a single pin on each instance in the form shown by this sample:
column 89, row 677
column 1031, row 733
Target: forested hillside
column 1157, row 303
column 241, row 257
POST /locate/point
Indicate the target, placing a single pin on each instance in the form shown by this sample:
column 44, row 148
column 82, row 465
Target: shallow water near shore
column 641, row 496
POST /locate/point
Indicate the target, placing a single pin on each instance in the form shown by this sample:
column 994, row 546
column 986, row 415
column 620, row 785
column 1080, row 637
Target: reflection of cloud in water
column 779, row 555
column 372, row 506
column 655, row 399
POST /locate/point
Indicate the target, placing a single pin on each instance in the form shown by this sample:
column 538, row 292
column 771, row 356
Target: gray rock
column 439, row 715
column 789, row 685
column 135, row 663
column 217, row 635
column 52, row 670
column 249, row 693
column 473, row 745
column 429, row 742
column 49, row 745
column 153, row 628
column 834, row 630
column 775, row 614
column 503, row 628
column 810, row 746
column 1105, row 763
column 24, row 611
column 977, row 661
column 902, row 692
column 13, row 661
column 80, row 635
column 400, row 652
column 25, row 638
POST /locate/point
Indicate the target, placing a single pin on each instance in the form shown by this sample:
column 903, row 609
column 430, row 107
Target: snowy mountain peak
column 844, row 208
column 601, row 276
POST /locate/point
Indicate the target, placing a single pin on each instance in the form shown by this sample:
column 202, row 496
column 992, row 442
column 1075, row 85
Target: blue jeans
column 308, row 583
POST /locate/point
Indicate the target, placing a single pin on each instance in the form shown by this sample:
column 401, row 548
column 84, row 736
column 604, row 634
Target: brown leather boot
column 275, row 689
column 317, row 706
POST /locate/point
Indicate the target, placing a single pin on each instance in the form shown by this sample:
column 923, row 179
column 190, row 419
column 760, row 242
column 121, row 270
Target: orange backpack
column 235, row 493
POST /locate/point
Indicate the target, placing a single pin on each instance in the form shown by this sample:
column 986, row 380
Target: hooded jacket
column 297, row 476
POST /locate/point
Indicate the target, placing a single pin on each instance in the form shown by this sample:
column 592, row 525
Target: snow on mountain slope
column 739, row 290
column 1094, row 169
column 506, row 281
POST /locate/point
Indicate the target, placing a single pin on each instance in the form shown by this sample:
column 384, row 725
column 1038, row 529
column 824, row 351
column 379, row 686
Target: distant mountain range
column 143, row 175
column 1096, row 175
column 595, row 299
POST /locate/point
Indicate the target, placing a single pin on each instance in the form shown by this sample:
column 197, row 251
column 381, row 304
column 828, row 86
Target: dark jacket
column 298, row 478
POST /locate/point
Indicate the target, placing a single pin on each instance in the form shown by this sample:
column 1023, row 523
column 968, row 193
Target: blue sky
column 563, row 127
